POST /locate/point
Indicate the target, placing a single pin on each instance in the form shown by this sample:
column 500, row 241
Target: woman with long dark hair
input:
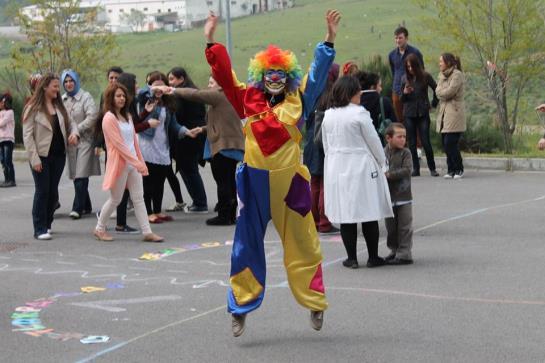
column 47, row 132
column 416, row 110
column 189, row 151
column 451, row 121
column 154, row 143
column 125, row 165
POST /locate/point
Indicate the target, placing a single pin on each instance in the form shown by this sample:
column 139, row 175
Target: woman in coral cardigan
column 125, row 165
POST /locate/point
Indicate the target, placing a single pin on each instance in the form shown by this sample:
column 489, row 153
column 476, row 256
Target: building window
column 169, row 10
column 145, row 9
column 109, row 11
column 158, row 10
column 121, row 10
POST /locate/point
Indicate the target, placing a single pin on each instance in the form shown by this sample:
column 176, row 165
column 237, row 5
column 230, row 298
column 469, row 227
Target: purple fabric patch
column 298, row 198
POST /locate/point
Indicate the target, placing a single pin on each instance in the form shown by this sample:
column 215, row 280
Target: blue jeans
column 46, row 193
column 6, row 154
column 420, row 125
column 82, row 200
column 188, row 165
column 451, row 145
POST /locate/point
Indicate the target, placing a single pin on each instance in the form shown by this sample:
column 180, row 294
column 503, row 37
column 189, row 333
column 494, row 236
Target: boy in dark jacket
column 400, row 228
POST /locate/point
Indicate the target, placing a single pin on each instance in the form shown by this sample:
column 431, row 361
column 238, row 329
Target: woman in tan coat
column 47, row 132
column 451, row 122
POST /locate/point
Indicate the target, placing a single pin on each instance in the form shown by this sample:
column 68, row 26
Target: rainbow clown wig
column 275, row 58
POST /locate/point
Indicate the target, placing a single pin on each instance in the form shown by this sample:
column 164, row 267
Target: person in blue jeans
column 7, row 140
column 47, row 132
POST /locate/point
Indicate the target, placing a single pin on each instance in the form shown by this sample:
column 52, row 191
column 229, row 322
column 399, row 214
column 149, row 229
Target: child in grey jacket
column 400, row 228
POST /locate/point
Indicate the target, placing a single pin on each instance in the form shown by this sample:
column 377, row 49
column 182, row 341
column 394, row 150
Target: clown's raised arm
column 220, row 65
column 324, row 54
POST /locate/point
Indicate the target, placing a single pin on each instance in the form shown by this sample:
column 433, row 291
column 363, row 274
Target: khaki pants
column 400, row 231
column 132, row 180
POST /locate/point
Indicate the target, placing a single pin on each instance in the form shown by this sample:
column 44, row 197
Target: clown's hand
column 333, row 17
column 210, row 27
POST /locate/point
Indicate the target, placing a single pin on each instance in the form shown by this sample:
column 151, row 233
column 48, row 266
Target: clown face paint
column 275, row 81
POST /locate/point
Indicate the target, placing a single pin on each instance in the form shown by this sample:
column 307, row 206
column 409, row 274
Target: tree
column 135, row 19
column 501, row 39
column 61, row 35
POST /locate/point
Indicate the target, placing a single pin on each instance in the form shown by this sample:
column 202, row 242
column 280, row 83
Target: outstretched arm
column 324, row 54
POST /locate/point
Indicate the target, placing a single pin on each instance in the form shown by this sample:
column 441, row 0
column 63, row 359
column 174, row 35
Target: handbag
column 384, row 122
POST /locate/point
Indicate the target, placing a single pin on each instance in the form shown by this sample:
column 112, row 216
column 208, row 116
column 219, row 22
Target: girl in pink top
column 125, row 165
column 7, row 140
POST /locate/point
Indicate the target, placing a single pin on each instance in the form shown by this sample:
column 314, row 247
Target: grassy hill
column 367, row 28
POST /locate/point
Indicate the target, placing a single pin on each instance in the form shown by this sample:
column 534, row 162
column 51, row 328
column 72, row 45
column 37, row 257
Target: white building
column 165, row 14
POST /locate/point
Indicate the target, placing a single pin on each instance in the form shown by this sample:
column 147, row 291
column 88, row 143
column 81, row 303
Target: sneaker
column 126, row 229
column 177, row 207
column 74, row 215
column 44, row 237
column 375, row 262
column 333, row 230
column 237, row 324
column 350, row 263
column 8, row 184
column 448, row 176
column 50, row 231
column 195, row 209
column 219, row 221
column 459, row 175
column 316, row 319
column 434, row 173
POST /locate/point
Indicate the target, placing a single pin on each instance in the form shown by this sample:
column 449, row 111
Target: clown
column 272, row 183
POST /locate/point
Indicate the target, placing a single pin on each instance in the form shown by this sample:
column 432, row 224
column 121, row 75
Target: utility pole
column 228, row 27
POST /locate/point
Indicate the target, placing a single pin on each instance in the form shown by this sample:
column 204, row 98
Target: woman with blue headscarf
column 83, row 161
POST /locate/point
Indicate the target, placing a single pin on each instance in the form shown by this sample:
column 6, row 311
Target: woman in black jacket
column 416, row 110
column 371, row 86
column 188, row 151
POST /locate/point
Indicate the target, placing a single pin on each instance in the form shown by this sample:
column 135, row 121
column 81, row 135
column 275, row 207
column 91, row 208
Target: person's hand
column 73, row 140
column 541, row 144
column 141, row 168
column 150, row 105
column 193, row 133
column 163, row 89
column 407, row 90
column 210, row 27
column 333, row 17
column 541, row 107
column 37, row 168
column 153, row 123
column 98, row 151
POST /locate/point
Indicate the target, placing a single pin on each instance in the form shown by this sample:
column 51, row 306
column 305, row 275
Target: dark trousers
column 451, row 146
column 349, row 234
column 420, row 126
column 82, row 200
column 174, row 185
column 400, row 231
column 122, row 210
column 154, row 185
column 46, row 192
column 188, row 165
column 318, row 207
column 6, row 158
column 224, row 170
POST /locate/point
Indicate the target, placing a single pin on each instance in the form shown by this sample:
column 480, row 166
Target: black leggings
column 349, row 234
column 154, row 185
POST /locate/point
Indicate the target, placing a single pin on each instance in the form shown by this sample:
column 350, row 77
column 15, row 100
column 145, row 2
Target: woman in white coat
column 356, row 189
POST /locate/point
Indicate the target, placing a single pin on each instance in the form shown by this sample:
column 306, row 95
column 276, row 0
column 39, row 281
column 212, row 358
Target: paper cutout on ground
column 94, row 339
column 88, row 289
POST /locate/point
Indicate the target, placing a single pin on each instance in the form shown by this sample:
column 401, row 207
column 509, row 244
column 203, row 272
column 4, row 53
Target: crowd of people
column 360, row 153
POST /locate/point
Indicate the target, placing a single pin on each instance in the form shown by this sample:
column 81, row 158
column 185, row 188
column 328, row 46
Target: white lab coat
column 355, row 187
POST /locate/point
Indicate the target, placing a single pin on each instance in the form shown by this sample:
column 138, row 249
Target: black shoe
column 375, row 262
column 126, row 229
column 8, row 184
column 219, row 221
column 415, row 173
column 350, row 263
column 216, row 207
column 400, row 261
column 434, row 173
column 390, row 257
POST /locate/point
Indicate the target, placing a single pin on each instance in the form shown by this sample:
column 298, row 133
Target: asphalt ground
column 475, row 293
